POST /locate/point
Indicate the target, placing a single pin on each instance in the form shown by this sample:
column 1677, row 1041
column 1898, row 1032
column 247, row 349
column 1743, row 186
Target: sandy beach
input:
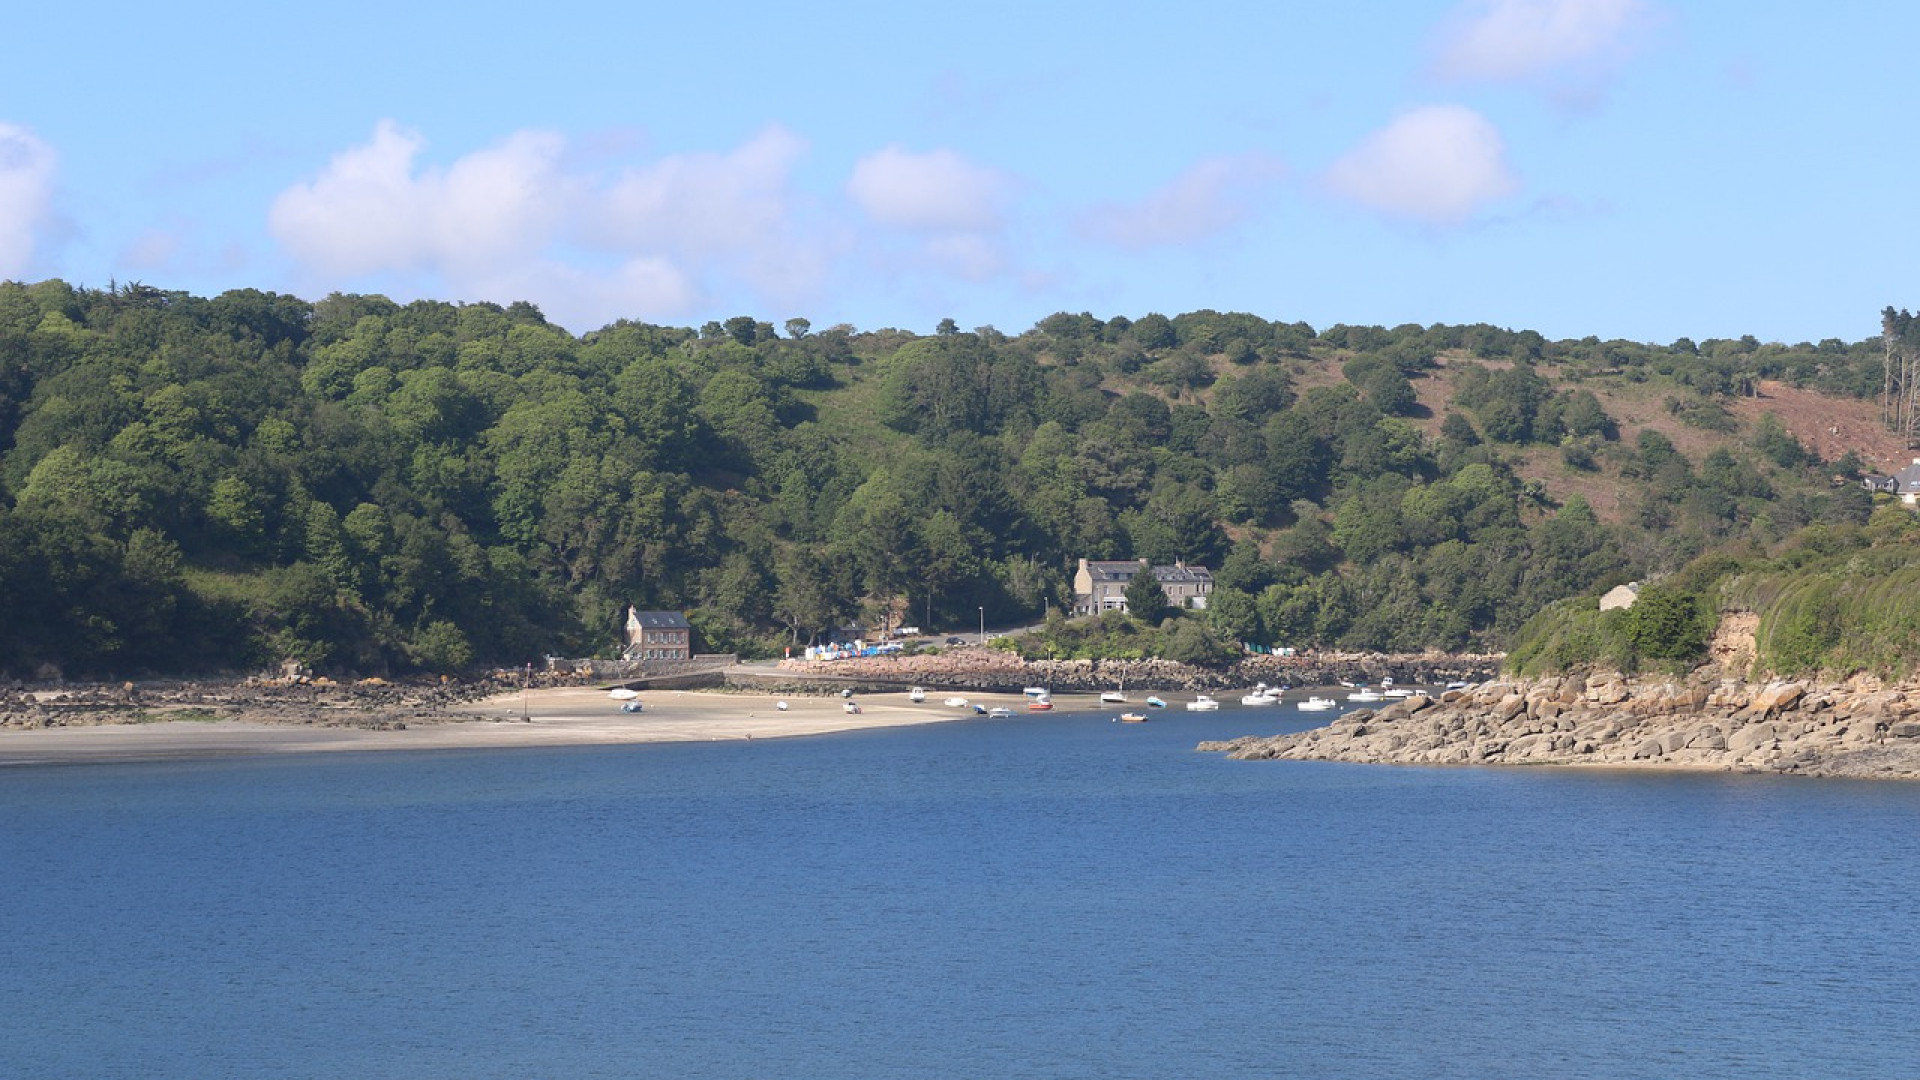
column 563, row 716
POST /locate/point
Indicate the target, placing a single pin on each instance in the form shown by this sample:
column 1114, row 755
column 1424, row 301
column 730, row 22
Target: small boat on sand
column 1040, row 704
column 917, row 695
column 852, row 707
column 1000, row 712
column 956, row 703
column 1156, row 703
column 1035, row 691
column 623, row 693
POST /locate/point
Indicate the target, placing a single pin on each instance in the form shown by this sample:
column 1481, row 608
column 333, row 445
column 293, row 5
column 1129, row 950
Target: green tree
column 1146, row 600
column 1666, row 624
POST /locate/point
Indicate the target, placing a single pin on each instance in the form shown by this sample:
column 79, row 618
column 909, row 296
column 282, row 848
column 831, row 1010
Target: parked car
column 956, row 641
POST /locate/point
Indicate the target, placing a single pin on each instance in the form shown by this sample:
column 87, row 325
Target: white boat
column 1035, row 691
column 956, row 703
column 1318, row 704
column 1364, row 695
column 1261, row 696
column 1040, row 704
column 622, row 693
column 852, row 707
column 1132, row 718
column 781, row 705
column 917, row 694
column 1458, row 685
column 1398, row 692
column 1000, row 712
column 1203, row 703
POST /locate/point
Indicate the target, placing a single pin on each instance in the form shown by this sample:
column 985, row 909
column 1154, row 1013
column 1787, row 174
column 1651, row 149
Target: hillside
column 364, row 486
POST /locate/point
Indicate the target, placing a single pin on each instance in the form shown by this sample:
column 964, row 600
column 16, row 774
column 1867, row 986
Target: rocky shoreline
column 371, row 704
column 1704, row 722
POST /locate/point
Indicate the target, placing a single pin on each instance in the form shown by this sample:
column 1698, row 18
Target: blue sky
column 1642, row 169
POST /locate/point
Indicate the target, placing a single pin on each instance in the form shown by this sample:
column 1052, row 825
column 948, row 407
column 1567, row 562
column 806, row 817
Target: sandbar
column 558, row 716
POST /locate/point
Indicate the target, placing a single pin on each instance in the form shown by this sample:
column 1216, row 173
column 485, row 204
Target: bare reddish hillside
column 1828, row 426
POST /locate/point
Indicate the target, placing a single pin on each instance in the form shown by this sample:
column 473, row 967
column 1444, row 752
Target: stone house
column 658, row 635
column 1101, row 585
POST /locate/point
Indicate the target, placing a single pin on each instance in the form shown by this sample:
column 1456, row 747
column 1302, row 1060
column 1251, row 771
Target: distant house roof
column 1907, row 480
column 658, row 620
column 1181, row 572
column 1120, row 570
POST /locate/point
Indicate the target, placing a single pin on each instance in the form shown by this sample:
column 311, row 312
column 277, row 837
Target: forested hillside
column 194, row 484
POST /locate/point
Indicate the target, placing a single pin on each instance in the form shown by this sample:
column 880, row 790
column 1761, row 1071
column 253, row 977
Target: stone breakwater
column 974, row 668
column 1699, row 723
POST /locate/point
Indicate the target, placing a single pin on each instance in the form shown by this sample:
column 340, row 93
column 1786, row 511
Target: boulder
column 1776, row 698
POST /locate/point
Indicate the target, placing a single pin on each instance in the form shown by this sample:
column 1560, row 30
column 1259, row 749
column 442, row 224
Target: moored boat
column 1203, row 703
column 1040, row 704
column 1000, row 712
column 1132, row 718
column 1261, row 695
column 1318, row 704
column 1364, row 695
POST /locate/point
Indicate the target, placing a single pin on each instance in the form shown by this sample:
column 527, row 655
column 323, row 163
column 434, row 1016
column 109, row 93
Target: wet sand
column 566, row 716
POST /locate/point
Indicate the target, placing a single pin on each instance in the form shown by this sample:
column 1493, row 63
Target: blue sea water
column 1053, row 897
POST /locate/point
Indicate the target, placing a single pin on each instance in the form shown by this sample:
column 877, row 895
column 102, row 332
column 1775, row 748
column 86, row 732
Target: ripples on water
column 1046, row 898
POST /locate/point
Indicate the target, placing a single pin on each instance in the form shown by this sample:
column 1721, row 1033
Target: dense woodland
column 192, row 484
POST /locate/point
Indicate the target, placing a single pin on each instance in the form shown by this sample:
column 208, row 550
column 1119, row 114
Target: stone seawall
column 975, row 668
column 1703, row 722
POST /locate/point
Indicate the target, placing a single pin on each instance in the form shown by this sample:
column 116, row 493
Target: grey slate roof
column 661, row 620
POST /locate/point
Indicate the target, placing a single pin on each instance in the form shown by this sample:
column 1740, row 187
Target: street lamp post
column 983, row 626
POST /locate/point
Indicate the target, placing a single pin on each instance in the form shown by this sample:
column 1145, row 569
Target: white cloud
column 370, row 211
column 1211, row 196
column 938, row 191
column 1505, row 40
column 518, row 220
column 26, row 196
column 1438, row 164
column 705, row 203
column 154, row 249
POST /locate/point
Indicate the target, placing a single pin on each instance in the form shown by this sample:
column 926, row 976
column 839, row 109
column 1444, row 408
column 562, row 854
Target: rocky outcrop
column 1704, row 722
